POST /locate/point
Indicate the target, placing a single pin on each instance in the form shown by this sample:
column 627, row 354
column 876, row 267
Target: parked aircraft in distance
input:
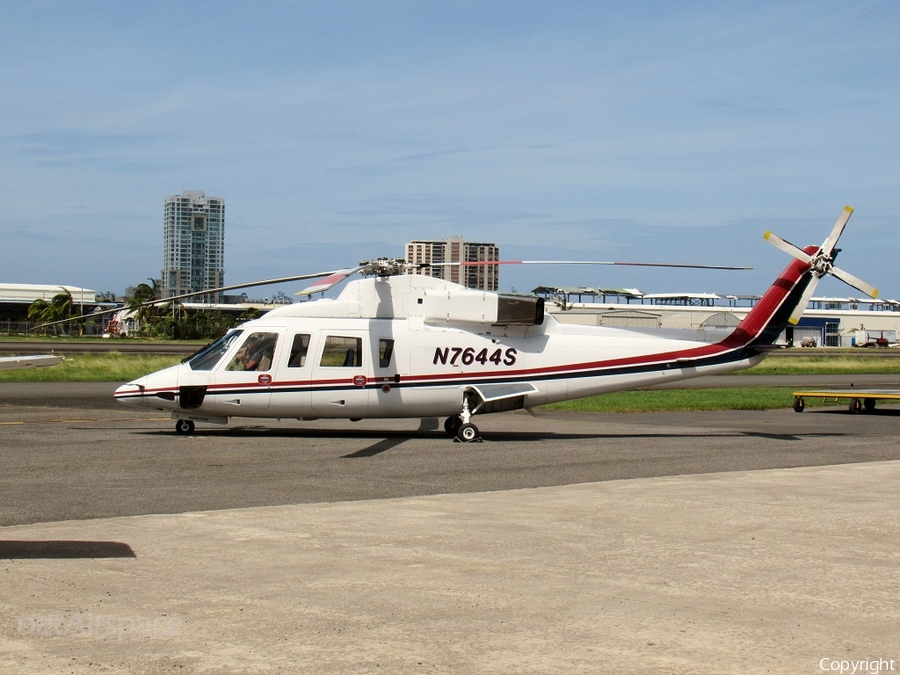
column 23, row 362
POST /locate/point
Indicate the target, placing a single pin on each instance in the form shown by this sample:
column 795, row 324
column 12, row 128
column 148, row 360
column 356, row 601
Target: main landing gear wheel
column 467, row 433
column 869, row 404
column 799, row 404
column 452, row 425
column 855, row 405
column 184, row 427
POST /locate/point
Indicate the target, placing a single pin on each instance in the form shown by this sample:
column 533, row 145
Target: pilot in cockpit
column 255, row 354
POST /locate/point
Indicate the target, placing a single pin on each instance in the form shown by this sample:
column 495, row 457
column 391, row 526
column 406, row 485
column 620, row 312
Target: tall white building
column 193, row 244
column 454, row 249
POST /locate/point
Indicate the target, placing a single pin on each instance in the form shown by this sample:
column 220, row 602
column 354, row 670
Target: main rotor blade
column 857, row 283
column 208, row 291
column 327, row 282
column 804, row 301
column 787, row 247
column 475, row 263
column 839, row 226
column 266, row 282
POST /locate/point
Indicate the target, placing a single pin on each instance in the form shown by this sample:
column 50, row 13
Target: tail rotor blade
column 839, row 226
column 804, row 301
column 787, row 247
column 821, row 264
column 856, row 282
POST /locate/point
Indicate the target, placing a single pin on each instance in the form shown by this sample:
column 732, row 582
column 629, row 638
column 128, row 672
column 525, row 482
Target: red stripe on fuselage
column 759, row 318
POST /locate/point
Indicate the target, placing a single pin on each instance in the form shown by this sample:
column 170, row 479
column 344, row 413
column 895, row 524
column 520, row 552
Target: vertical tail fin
column 764, row 323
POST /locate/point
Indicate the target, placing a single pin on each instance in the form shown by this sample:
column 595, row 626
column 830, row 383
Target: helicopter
column 399, row 345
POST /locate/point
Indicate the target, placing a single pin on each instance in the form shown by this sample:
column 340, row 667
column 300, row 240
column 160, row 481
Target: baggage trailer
column 860, row 399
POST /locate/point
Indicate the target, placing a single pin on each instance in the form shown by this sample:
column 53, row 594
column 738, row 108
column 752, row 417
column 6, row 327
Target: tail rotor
column 821, row 263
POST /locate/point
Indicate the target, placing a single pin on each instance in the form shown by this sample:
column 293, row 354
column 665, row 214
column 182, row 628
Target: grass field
column 116, row 367
column 657, row 400
column 109, row 367
column 863, row 363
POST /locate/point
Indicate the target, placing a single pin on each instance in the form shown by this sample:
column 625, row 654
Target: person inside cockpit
column 255, row 354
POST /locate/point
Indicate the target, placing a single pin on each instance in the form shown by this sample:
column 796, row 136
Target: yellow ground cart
column 860, row 399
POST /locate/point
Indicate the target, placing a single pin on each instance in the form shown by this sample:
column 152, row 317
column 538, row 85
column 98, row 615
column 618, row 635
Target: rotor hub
column 384, row 267
column 822, row 264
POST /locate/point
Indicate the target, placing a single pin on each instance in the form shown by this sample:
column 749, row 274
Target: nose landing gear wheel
column 184, row 427
column 467, row 433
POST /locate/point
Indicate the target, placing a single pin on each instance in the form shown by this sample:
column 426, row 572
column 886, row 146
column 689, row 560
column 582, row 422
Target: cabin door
column 243, row 384
column 340, row 375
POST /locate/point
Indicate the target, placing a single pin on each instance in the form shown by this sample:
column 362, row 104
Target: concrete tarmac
column 676, row 543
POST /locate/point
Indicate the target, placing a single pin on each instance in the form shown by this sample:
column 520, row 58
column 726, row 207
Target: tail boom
column 762, row 326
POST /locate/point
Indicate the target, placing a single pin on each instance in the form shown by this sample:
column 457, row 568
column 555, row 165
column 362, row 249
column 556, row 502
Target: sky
column 338, row 131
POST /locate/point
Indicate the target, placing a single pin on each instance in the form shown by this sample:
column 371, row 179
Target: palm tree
column 145, row 314
column 174, row 318
column 42, row 312
column 63, row 303
column 59, row 308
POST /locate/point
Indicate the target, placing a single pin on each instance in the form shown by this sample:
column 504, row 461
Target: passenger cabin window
column 299, row 348
column 256, row 353
column 385, row 351
column 342, row 352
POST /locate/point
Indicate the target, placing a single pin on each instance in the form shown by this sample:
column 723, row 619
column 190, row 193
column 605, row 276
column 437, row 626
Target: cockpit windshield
column 206, row 359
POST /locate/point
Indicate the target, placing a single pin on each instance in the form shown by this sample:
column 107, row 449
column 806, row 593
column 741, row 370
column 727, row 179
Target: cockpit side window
column 299, row 348
column 207, row 358
column 256, row 353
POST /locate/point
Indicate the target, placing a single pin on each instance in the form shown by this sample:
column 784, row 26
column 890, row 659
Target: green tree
column 145, row 314
column 42, row 312
column 59, row 308
column 64, row 304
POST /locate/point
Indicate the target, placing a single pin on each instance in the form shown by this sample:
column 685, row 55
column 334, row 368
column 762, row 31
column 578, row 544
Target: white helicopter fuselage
column 418, row 346
column 406, row 345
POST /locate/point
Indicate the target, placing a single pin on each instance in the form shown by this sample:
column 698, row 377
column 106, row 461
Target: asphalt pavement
column 726, row 542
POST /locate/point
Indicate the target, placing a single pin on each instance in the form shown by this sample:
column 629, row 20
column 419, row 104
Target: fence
column 12, row 328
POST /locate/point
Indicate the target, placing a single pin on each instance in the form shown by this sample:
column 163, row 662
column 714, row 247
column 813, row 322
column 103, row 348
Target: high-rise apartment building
column 193, row 244
column 454, row 249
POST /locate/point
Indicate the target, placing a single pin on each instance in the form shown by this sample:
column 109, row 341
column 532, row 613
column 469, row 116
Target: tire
column 799, row 404
column 855, row 405
column 869, row 404
column 452, row 425
column 184, row 427
column 467, row 433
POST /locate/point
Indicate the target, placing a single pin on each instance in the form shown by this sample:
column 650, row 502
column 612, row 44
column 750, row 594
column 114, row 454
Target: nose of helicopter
column 157, row 389
column 131, row 392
